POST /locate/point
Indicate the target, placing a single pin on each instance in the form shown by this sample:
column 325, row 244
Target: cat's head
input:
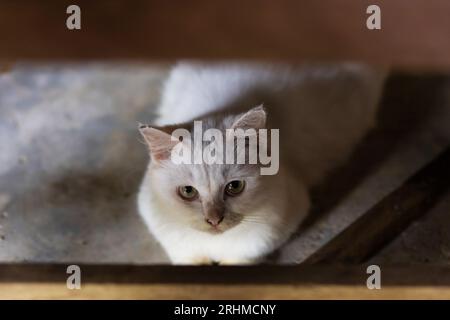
column 207, row 197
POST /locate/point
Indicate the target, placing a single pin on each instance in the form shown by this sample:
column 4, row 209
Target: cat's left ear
column 254, row 118
column 159, row 141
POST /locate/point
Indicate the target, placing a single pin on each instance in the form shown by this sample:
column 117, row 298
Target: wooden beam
column 216, row 282
column 414, row 32
column 391, row 216
column 220, row 292
column 333, row 274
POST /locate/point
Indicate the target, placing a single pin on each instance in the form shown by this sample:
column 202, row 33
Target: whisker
column 253, row 221
column 254, row 218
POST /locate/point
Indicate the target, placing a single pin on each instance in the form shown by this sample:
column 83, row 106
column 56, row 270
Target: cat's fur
column 322, row 112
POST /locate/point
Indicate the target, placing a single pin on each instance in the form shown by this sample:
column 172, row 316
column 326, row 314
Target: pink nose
column 214, row 221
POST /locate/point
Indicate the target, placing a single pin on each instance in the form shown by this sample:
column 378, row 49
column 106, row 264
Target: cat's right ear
column 254, row 118
column 158, row 141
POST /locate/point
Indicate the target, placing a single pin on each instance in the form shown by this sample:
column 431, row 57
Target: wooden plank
column 333, row 274
column 128, row 274
column 40, row 281
column 387, row 219
column 221, row 292
column 414, row 32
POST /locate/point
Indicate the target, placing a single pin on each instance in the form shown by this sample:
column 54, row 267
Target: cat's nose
column 213, row 212
column 214, row 221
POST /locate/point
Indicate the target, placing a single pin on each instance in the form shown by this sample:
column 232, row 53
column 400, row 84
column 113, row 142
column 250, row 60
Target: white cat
column 230, row 214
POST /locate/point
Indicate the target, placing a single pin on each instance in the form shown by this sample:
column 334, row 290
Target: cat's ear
column 254, row 118
column 159, row 142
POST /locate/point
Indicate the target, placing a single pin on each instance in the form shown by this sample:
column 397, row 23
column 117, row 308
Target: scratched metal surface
column 71, row 161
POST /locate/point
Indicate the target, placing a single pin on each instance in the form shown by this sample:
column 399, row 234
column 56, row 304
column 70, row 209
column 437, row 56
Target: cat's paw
column 237, row 262
column 202, row 261
column 197, row 260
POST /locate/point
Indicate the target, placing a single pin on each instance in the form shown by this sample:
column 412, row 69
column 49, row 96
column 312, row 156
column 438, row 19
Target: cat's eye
column 188, row 193
column 235, row 187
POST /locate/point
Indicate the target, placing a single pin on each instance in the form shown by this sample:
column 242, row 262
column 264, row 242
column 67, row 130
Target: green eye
column 188, row 193
column 235, row 187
